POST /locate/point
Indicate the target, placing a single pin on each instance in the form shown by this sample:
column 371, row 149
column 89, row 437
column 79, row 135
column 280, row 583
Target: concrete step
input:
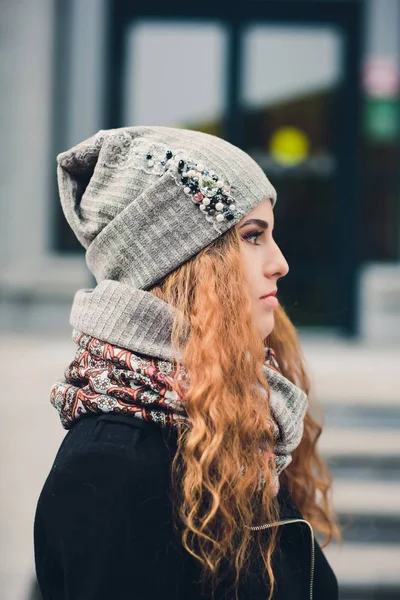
column 365, row 564
column 339, row 442
column 367, row 498
column 344, row 371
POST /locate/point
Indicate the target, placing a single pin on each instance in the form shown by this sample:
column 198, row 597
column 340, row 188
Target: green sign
column 382, row 119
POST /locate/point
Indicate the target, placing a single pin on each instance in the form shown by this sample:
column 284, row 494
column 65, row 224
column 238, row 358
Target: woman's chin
column 267, row 325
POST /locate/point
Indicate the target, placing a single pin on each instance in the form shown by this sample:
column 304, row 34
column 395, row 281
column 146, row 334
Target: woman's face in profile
column 264, row 264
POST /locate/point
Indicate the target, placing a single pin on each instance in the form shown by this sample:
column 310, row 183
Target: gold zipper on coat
column 288, row 522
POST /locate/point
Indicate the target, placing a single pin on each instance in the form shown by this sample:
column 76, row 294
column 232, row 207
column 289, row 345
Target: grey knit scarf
column 123, row 365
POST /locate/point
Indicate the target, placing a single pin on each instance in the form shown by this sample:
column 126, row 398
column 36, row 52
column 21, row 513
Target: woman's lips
column 270, row 299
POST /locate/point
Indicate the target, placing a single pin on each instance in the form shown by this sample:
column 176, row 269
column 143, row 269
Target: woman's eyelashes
column 252, row 236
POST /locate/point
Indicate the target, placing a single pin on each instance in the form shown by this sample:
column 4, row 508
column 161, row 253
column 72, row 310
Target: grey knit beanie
column 143, row 200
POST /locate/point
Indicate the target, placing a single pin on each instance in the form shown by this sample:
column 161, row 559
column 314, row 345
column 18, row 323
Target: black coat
column 103, row 526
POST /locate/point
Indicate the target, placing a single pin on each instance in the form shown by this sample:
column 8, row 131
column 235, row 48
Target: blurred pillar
column 26, row 60
column 86, row 54
column 33, row 278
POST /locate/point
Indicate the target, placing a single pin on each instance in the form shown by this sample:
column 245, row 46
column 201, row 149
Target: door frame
column 346, row 16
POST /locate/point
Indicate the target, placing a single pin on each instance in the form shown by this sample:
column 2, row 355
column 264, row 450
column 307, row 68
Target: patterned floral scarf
column 104, row 378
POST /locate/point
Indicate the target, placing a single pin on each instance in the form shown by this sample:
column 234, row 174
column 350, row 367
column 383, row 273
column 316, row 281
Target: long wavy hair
column 216, row 469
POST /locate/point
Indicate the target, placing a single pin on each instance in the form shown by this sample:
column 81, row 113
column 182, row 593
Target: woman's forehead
column 262, row 211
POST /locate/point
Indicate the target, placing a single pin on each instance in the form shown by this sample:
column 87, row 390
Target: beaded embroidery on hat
column 205, row 188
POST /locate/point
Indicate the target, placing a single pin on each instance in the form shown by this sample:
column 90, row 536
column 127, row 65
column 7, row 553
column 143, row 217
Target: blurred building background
column 311, row 89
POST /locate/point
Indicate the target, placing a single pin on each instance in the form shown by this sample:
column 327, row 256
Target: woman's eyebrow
column 258, row 222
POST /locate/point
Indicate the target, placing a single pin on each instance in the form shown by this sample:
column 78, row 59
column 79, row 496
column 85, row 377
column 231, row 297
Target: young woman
column 190, row 468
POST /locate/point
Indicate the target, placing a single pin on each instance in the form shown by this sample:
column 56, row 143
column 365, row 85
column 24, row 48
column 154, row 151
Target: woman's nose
column 277, row 265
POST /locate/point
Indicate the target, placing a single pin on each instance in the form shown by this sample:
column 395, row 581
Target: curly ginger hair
column 223, row 357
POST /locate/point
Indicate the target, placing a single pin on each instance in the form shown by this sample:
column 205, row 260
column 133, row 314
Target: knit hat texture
column 134, row 216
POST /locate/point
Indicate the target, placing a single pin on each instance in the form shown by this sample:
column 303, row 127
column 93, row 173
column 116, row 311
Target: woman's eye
column 253, row 235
